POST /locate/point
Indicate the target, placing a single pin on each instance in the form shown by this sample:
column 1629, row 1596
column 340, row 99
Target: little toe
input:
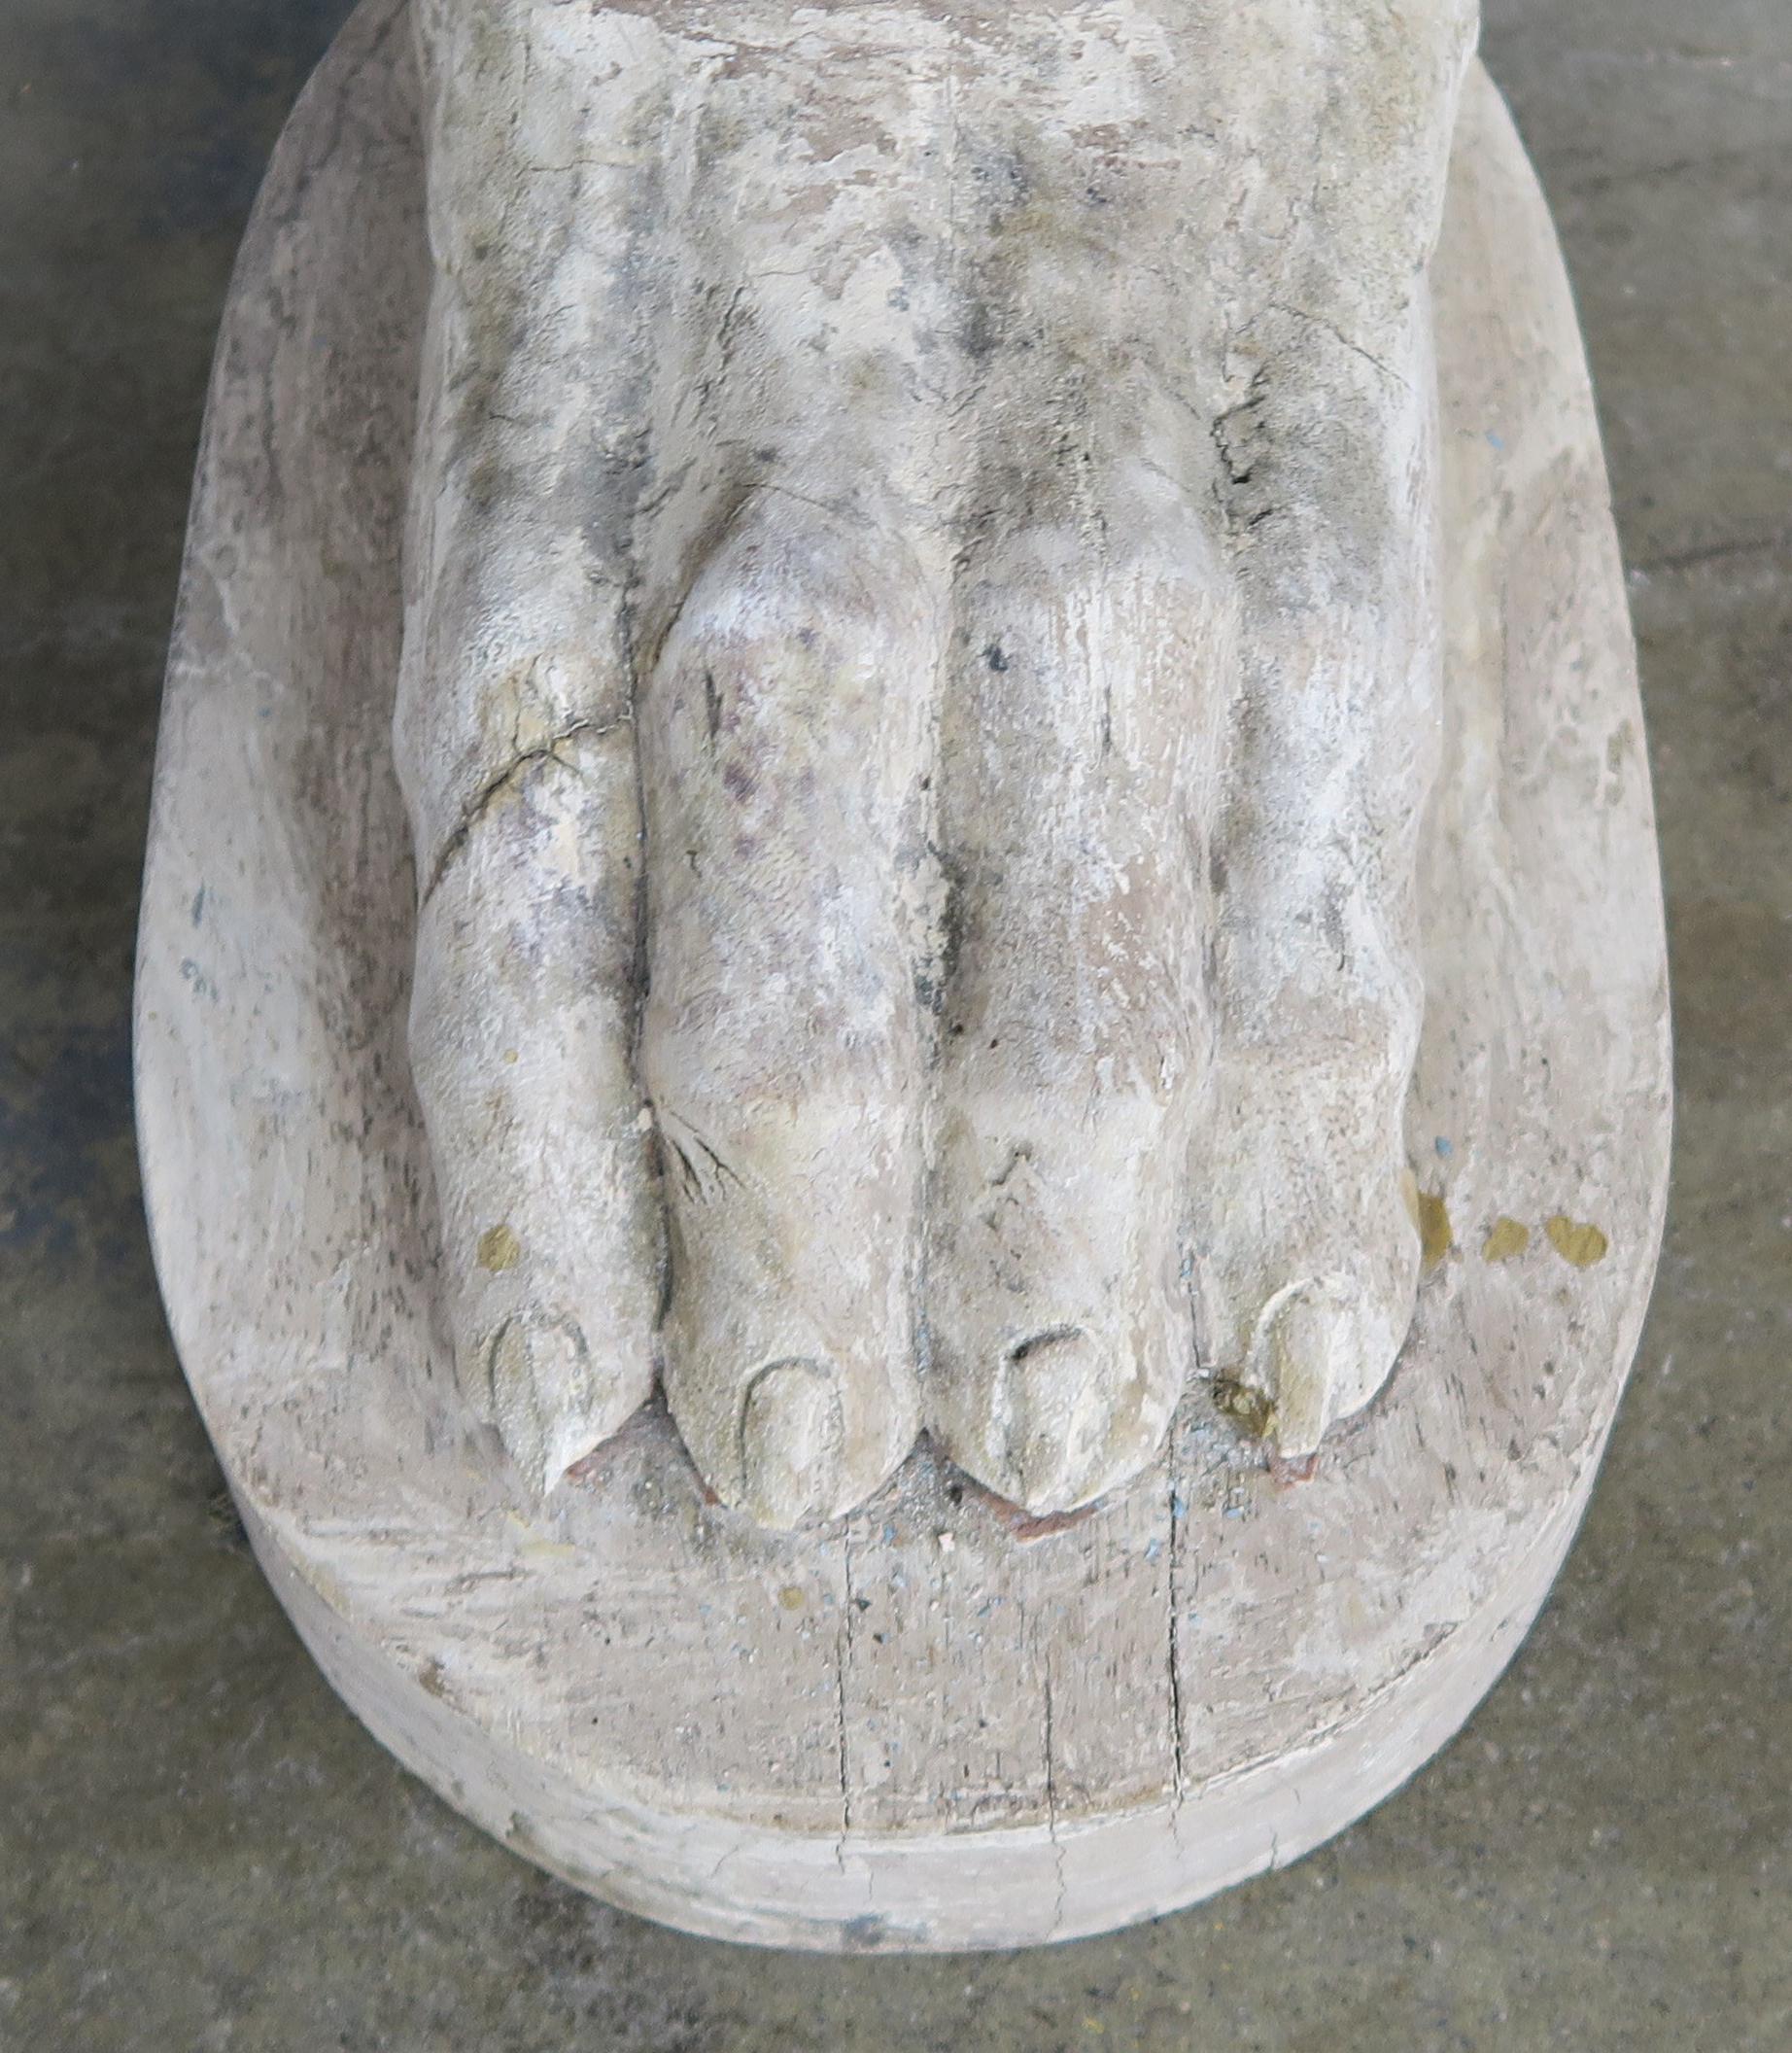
column 521, row 1021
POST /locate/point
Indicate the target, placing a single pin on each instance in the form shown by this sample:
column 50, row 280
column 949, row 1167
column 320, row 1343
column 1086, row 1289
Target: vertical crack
column 1173, row 1506
column 1057, row 1849
column 843, row 1660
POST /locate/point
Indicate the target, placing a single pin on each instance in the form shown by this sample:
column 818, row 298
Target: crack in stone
column 520, row 762
column 1057, row 1849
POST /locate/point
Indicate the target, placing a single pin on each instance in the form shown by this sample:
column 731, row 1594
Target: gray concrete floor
column 200, row 1849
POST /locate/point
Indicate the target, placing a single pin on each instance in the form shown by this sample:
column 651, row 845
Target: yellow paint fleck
column 1582, row 1245
column 500, row 1249
column 1437, row 1235
column 511, row 1056
column 1507, row 1241
column 791, row 1597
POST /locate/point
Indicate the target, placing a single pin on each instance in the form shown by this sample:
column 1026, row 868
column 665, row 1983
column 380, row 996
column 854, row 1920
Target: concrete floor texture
column 200, row 1850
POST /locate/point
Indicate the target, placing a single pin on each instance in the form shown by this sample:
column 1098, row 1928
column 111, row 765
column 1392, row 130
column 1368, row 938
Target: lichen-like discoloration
column 1252, row 1411
column 1578, row 1242
column 1437, row 1235
column 1506, row 1240
column 500, row 1249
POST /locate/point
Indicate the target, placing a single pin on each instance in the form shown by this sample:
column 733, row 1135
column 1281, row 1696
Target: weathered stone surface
column 927, row 1727
column 920, row 681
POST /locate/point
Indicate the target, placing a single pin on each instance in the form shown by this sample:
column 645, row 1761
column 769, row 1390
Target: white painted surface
column 933, row 1724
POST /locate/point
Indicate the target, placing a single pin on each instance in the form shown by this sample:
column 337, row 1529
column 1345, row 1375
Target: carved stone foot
column 900, row 718
column 915, row 720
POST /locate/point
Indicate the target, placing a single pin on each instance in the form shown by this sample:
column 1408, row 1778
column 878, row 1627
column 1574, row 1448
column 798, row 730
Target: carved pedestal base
column 934, row 1724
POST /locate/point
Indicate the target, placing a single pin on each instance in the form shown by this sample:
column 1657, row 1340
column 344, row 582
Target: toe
column 1060, row 1333
column 784, row 741
column 1307, row 1289
column 521, row 1022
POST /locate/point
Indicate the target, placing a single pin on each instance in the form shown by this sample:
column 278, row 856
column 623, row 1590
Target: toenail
column 538, row 1374
column 1306, row 1338
column 1061, row 1413
column 792, row 1435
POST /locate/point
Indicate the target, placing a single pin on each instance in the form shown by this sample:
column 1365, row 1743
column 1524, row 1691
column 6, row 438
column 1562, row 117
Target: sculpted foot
column 785, row 735
column 916, row 698
column 1029, row 764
